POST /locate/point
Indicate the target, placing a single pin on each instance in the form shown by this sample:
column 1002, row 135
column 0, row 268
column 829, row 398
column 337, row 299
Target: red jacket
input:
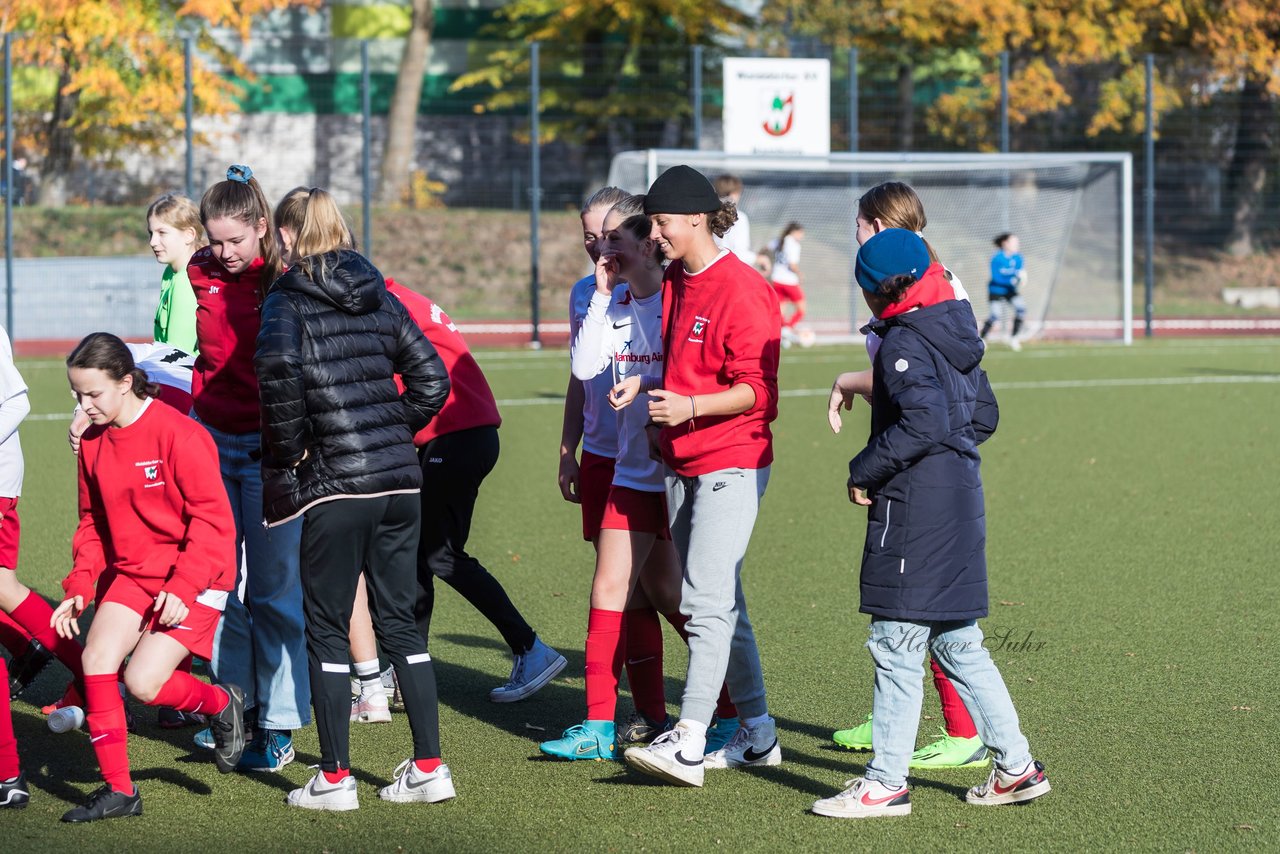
column 722, row 326
column 224, row 385
column 470, row 402
column 152, row 506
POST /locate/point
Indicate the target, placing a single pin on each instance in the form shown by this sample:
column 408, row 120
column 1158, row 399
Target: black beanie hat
column 681, row 190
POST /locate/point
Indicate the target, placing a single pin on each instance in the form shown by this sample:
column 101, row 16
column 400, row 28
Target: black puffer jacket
column 334, row 424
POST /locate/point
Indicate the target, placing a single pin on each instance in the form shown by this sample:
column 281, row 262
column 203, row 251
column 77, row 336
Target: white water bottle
column 66, row 719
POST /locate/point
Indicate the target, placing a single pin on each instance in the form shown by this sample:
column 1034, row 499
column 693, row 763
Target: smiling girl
column 175, row 233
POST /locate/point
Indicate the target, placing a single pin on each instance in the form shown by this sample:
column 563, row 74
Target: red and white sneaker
column 865, row 799
column 1006, row 787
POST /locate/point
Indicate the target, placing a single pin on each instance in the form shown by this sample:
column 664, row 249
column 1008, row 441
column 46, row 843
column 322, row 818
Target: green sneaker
column 587, row 740
column 719, row 733
column 951, row 752
column 858, row 738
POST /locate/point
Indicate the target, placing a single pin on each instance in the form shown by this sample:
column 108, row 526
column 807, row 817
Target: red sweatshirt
column 152, row 506
column 470, row 402
column 722, row 326
column 224, row 385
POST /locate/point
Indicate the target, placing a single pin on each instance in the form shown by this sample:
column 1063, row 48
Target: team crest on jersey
column 151, row 472
column 699, row 329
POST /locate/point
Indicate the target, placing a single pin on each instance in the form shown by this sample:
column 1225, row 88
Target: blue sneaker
column 529, row 672
column 587, row 740
column 270, row 750
column 719, row 733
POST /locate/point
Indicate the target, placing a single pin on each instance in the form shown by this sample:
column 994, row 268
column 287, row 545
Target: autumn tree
column 402, row 121
column 611, row 68
column 110, row 73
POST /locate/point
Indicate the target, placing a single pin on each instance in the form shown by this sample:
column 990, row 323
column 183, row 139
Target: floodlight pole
column 1149, row 202
column 8, row 183
column 366, row 153
column 1004, row 102
column 535, row 193
column 188, row 111
column 696, row 61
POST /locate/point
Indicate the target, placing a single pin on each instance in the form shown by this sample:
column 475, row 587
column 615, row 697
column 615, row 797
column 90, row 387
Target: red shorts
column 595, row 476
column 195, row 632
column 10, row 533
column 788, row 293
column 634, row 510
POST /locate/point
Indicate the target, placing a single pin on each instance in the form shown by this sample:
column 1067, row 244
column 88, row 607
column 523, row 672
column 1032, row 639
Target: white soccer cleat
column 320, row 794
column 865, row 799
column 371, row 708
column 748, row 747
column 675, row 756
column 412, row 785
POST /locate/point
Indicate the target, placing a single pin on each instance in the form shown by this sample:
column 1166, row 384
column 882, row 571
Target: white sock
column 753, row 722
column 370, row 675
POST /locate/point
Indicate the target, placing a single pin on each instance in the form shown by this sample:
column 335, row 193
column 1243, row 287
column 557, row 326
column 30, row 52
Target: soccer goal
column 1073, row 213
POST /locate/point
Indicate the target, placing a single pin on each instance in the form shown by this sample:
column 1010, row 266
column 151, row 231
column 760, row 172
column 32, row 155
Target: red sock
column 724, row 706
column 336, row 776
column 185, row 665
column 13, row 637
column 9, row 767
column 33, row 614
column 426, row 766
column 954, row 715
column 186, row 693
column 604, row 663
column 107, row 730
column 643, row 634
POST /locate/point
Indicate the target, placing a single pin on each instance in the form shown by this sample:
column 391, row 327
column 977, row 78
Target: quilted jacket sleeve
column 278, row 363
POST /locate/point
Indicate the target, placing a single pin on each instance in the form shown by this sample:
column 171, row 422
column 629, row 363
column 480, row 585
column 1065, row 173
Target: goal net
column 1072, row 213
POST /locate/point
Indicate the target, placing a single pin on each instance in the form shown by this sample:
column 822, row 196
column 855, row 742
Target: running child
column 719, row 395
column 786, row 278
column 173, row 224
column 155, row 548
column 260, row 644
column 924, row 574
column 338, row 453
column 896, row 205
column 621, row 337
column 1008, row 274
column 25, row 629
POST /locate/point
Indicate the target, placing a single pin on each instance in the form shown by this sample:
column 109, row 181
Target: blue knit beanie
column 892, row 252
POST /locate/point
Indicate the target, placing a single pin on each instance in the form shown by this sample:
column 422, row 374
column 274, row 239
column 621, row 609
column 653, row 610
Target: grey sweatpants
column 711, row 520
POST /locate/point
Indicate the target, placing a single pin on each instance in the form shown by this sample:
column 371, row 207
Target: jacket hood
column 949, row 328
column 343, row 278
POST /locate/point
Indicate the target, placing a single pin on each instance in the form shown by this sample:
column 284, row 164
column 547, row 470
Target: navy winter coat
column 924, row 558
column 334, row 423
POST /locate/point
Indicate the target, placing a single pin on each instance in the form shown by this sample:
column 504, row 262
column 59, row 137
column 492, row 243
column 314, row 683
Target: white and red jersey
column 621, row 337
column 169, row 368
column 599, row 427
column 14, row 406
column 153, row 507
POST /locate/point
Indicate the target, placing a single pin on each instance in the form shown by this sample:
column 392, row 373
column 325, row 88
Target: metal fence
column 314, row 112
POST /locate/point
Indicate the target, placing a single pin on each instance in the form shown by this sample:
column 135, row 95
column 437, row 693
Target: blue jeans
column 898, row 648
column 260, row 643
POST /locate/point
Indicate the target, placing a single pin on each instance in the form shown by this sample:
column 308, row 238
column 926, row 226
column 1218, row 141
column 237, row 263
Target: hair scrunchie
column 239, row 173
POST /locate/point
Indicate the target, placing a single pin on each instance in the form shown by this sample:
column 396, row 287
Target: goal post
column 1072, row 211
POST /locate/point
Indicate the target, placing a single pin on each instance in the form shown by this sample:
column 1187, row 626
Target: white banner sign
column 777, row 106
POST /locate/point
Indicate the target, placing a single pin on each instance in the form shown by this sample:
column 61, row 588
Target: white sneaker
column 413, row 785
column 529, row 672
column 1015, row 345
column 1006, row 787
column 674, row 756
column 320, row 794
column 371, row 707
column 865, row 799
column 757, row 745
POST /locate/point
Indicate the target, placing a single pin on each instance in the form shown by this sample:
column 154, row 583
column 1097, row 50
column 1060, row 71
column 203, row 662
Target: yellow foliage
column 423, row 193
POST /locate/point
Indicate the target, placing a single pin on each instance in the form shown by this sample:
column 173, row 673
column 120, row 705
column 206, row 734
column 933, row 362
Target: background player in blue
column 1007, row 275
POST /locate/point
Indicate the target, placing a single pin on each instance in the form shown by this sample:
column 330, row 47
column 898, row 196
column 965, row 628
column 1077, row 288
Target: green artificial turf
column 1132, row 539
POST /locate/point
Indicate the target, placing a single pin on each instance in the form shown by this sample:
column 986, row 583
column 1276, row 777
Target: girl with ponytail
column 156, row 548
column 263, row 652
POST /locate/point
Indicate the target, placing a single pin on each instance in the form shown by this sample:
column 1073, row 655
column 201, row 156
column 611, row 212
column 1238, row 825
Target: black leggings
column 339, row 539
column 453, row 467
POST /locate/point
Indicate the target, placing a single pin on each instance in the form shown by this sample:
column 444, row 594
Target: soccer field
column 1132, row 539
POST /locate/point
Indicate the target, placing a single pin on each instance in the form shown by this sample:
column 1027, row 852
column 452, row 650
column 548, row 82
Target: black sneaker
column 639, row 728
column 106, row 803
column 170, row 718
column 14, row 793
column 228, row 731
column 24, row 669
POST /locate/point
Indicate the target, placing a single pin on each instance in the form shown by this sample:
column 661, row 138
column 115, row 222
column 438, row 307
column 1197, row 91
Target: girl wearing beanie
column 710, row 420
